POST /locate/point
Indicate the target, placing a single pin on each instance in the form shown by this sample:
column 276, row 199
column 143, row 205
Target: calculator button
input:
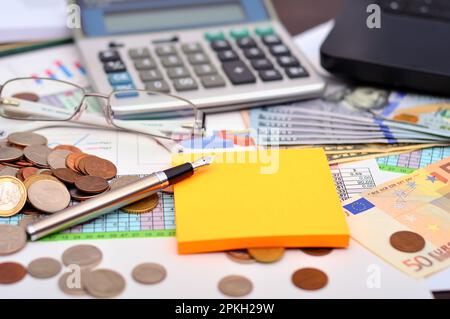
column 287, row 61
column 204, row 69
column 119, row 78
column 297, row 72
column 150, row 75
column 189, row 48
column 220, row 45
column 159, row 86
column 178, row 72
column 185, row 84
column 239, row 33
column 144, row 64
column 139, row 53
column 212, row 81
column 279, row 50
column 246, row 43
column 165, row 50
column 197, row 58
column 254, row 53
column 270, row 40
column 262, row 64
column 114, row 66
column 171, row 61
column 109, row 55
column 262, row 31
column 213, row 36
column 238, row 72
column 125, row 94
column 228, row 55
column 270, row 75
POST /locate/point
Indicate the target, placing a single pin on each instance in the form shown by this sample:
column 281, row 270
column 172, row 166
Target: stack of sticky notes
column 262, row 198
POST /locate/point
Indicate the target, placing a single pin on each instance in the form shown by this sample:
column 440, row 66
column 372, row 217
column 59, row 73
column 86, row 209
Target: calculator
column 219, row 54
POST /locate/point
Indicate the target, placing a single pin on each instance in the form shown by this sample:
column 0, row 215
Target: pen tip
column 203, row 161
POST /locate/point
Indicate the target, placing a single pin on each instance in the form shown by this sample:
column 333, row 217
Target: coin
column 27, row 96
column 26, row 138
column 80, row 196
column 96, row 166
column 57, row 158
column 81, row 163
column 142, row 206
column 48, row 196
column 122, row 181
column 240, row 256
column 309, row 279
column 235, row 286
column 12, row 239
column 34, row 178
column 71, row 286
column 37, row 154
column 11, row 272
column 407, row 241
column 72, row 158
column 10, row 154
column 44, row 268
column 103, row 283
column 149, row 273
column 266, row 255
column 66, row 175
column 29, row 171
column 91, row 184
column 316, row 251
column 8, row 171
column 70, row 148
column 82, row 255
column 78, row 159
column 13, row 196
column 44, row 171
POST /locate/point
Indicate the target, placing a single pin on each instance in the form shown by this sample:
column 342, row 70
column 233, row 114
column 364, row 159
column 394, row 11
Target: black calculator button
column 238, row 72
column 228, row 55
column 246, row 43
column 189, row 48
column 262, row 64
column 144, row 64
column 177, row 72
column 171, row 61
column 114, row 66
column 165, row 50
column 270, row 75
column 139, row 53
column 204, row 69
column 150, row 75
column 197, row 58
column 212, row 81
column 279, row 50
column 254, row 53
column 297, row 72
column 185, row 84
column 220, row 45
column 272, row 39
column 287, row 61
column 159, row 86
column 109, row 55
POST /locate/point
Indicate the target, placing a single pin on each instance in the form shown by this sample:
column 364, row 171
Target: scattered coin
column 28, row 171
column 309, row 279
column 78, row 159
column 35, row 178
column 142, row 206
column 82, row 255
column 10, row 154
column 71, row 160
column 122, row 181
column 66, row 175
column 13, row 196
column 44, row 268
column 12, row 239
column 11, row 272
column 69, row 286
column 81, row 163
column 8, row 171
column 91, row 184
column 80, row 196
column 149, row 273
column 266, row 255
column 70, row 148
column 316, row 251
column 240, row 256
column 57, row 158
column 235, row 286
column 407, row 241
column 103, row 283
column 37, row 154
column 26, row 138
column 48, row 196
column 27, row 96
column 96, row 166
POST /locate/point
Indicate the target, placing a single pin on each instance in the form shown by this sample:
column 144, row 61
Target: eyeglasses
column 45, row 99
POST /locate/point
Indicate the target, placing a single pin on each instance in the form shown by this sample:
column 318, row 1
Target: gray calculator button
column 159, row 86
column 204, row 69
column 139, row 53
column 165, row 50
column 144, row 64
column 150, row 75
column 171, row 61
column 212, row 81
column 178, row 72
column 185, row 84
column 197, row 58
column 189, row 48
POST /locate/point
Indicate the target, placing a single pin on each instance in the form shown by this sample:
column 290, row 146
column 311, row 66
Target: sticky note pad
column 263, row 198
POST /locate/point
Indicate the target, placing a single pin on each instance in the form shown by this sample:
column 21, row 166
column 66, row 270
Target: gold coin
column 142, row 206
column 266, row 255
column 34, row 178
column 13, row 196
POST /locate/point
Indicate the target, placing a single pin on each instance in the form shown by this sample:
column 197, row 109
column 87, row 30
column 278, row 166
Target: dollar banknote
column 406, row 221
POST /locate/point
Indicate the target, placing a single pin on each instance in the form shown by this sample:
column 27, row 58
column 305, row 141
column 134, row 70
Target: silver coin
column 57, row 158
column 12, row 239
column 27, row 138
column 82, row 255
column 37, row 154
column 48, row 196
column 70, row 285
column 10, row 154
column 8, row 171
column 149, row 273
column 103, row 283
column 123, row 181
column 44, row 268
column 235, row 286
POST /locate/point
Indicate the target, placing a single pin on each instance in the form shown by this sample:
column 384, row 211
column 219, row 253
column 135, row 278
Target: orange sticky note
column 264, row 198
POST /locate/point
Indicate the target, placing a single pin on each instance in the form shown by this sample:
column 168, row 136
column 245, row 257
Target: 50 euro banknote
column 417, row 205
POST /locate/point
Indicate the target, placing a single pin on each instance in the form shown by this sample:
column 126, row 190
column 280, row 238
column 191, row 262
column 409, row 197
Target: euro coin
column 235, row 286
column 103, row 283
column 12, row 239
column 309, row 279
column 407, row 241
column 149, row 273
column 142, row 206
column 266, row 255
column 13, row 196
column 82, row 255
column 43, row 268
